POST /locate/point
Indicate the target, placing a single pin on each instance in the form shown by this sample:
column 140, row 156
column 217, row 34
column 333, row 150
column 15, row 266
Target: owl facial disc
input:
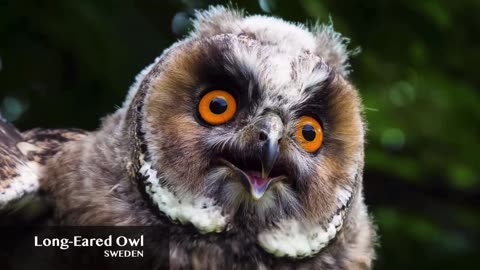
column 251, row 160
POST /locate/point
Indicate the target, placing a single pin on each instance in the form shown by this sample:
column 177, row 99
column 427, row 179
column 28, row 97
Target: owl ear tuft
column 216, row 20
column 332, row 47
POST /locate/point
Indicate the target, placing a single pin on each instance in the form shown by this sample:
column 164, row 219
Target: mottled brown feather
column 23, row 157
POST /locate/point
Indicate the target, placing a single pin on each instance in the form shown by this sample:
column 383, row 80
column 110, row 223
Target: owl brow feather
column 316, row 94
column 225, row 68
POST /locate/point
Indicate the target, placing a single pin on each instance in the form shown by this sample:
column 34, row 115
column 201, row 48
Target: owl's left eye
column 309, row 133
column 217, row 107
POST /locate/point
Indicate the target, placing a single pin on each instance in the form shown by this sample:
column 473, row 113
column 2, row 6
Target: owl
column 245, row 139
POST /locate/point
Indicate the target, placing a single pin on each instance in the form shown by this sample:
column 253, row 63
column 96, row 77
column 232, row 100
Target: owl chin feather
column 288, row 235
column 278, row 202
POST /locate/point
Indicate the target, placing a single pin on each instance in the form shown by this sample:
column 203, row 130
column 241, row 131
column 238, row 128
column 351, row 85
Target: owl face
column 267, row 132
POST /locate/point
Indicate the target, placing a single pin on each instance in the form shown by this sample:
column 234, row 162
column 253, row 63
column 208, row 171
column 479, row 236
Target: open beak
column 259, row 184
column 255, row 182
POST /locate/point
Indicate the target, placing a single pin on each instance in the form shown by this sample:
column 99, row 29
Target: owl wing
column 23, row 157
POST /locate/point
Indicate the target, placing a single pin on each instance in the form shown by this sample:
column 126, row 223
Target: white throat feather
column 293, row 239
column 200, row 211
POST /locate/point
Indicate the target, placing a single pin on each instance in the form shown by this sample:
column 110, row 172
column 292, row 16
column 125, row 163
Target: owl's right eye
column 217, row 107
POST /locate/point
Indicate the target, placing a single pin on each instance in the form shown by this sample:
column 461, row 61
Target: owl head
column 251, row 122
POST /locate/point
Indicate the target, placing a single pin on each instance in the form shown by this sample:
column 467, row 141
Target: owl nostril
column 262, row 136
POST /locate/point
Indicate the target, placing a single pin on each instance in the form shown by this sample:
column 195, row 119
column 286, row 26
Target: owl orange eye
column 309, row 133
column 217, row 107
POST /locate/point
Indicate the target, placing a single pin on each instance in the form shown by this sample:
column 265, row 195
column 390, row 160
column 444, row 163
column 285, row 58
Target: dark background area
column 69, row 63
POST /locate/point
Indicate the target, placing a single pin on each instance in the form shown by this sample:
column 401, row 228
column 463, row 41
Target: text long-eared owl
column 245, row 139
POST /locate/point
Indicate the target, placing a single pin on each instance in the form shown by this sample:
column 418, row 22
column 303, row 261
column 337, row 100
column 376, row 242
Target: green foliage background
column 69, row 63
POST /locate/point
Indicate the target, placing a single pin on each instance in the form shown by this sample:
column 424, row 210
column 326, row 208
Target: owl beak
column 260, row 184
column 269, row 156
column 271, row 131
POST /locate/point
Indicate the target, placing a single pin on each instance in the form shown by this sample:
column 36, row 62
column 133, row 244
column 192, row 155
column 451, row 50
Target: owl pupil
column 218, row 105
column 309, row 133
